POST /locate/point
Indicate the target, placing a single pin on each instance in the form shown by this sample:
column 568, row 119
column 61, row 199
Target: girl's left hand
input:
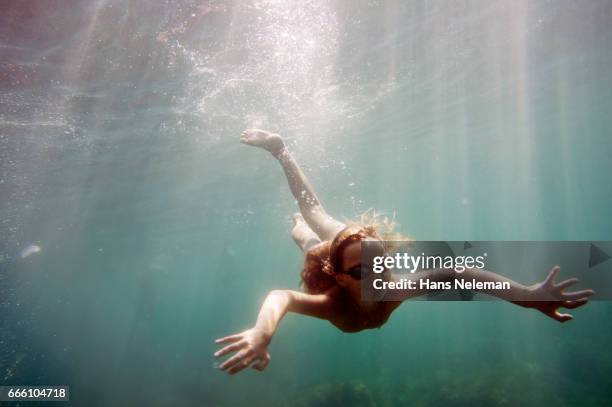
column 548, row 296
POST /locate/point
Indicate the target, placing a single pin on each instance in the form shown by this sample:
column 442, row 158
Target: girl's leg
column 317, row 218
column 303, row 236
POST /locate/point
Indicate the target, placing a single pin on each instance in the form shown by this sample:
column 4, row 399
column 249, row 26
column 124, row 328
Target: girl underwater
column 331, row 276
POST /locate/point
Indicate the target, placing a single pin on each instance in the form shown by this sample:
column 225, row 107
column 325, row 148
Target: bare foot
column 263, row 139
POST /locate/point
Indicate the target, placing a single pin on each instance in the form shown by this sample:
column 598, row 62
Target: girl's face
column 351, row 264
column 349, row 261
column 351, row 257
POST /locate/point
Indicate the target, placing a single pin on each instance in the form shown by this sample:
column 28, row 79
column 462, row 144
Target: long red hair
column 314, row 279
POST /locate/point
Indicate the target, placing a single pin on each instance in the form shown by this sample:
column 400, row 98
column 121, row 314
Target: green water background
column 159, row 232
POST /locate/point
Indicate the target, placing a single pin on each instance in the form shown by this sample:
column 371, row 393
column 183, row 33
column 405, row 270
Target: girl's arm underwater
column 252, row 345
column 547, row 296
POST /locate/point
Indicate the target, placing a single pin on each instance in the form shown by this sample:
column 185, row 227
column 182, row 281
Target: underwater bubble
column 30, row 250
column 229, row 252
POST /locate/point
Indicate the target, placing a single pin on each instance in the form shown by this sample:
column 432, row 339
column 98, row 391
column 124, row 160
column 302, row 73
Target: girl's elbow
column 281, row 295
column 277, row 293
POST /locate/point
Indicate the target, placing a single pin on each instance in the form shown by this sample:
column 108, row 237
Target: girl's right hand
column 250, row 347
column 549, row 296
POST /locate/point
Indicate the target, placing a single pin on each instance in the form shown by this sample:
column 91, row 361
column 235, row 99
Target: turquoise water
column 159, row 232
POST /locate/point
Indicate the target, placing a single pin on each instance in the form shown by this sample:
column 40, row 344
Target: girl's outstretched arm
column 547, row 296
column 251, row 346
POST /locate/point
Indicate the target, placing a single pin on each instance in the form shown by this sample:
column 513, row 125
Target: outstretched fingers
column 230, row 348
column 240, row 366
column 562, row 317
column 577, row 295
column 575, row 304
column 550, row 278
column 564, row 284
column 237, row 358
column 229, row 338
